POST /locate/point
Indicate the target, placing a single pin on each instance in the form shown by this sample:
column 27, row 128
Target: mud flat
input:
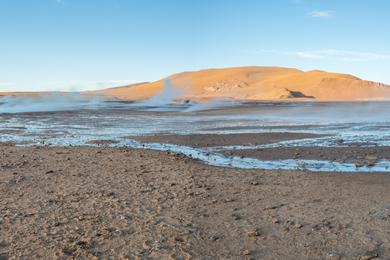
column 99, row 203
column 355, row 155
column 209, row 140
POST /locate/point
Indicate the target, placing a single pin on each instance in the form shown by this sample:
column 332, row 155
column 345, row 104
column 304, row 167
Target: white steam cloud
column 166, row 97
column 48, row 102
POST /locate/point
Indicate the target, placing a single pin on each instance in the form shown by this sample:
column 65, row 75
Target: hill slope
column 258, row 83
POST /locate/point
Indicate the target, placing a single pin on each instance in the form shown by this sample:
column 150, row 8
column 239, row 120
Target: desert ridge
column 257, row 83
column 246, row 84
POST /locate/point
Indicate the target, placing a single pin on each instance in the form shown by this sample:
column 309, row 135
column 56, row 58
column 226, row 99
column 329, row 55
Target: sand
column 106, row 203
column 257, row 83
column 248, row 84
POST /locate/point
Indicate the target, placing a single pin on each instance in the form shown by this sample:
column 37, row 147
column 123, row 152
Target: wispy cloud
column 333, row 54
column 342, row 55
column 88, row 85
column 6, row 84
column 321, row 14
column 114, row 83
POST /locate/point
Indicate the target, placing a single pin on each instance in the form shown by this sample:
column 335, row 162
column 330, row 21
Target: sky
column 73, row 45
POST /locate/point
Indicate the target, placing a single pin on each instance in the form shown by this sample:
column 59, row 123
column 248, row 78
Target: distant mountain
column 258, row 83
column 251, row 83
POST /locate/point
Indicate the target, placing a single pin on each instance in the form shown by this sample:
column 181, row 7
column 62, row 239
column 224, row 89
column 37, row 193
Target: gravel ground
column 106, row 203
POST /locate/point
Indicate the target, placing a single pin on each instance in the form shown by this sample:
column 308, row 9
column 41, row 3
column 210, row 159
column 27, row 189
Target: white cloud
column 342, row 55
column 6, row 84
column 114, row 83
column 321, row 14
column 334, row 55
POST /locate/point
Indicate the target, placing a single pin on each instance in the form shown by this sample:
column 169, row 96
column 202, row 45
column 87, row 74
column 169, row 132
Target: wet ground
column 310, row 136
column 73, row 186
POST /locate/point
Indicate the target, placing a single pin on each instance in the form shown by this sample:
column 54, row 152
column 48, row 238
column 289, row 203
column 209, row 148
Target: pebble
column 370, row 163
column 214, row 238
column 253, row 232
column 236, row 216
column 333, row 256
column 371, row 157
column 246, row 252
column 359, row 164
column 297, row 225
column 369, row 256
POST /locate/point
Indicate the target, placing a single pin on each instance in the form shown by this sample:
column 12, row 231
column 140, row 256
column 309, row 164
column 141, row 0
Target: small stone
column 359, row 164
column 179, row 239
column 68, row 251
column 235, row 216
column 297, row 225
column 179, row 257
column 214, row 238
column 370, row 163
column 371, row 158
column 369, row 256
column 246, row 252
column 333, row 256
column 146, row 244
column 253, row 233
column 81, row 243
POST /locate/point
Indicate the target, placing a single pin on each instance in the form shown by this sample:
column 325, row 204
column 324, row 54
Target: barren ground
column 103, row 203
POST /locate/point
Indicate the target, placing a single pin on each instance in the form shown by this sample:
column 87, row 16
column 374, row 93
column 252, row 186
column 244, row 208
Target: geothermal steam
column 166, row 97
column 48, row 102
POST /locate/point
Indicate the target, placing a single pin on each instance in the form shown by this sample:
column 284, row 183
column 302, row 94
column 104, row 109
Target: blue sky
column 90, row 44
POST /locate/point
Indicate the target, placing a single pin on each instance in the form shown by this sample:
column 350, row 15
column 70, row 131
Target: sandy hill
column 257, row 83
column 250, row 83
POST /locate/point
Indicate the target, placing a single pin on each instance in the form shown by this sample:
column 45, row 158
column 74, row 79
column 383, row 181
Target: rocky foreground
column 103, row 203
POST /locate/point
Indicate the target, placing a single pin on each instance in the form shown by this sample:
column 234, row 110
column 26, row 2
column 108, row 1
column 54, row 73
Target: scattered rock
column 369, row 256
column 246, row 252
column 298, row 225
column 214, row 237
column 371, row 158
column 359, row 164
column 253, row 233
column 333, row 256
column 236, row 216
